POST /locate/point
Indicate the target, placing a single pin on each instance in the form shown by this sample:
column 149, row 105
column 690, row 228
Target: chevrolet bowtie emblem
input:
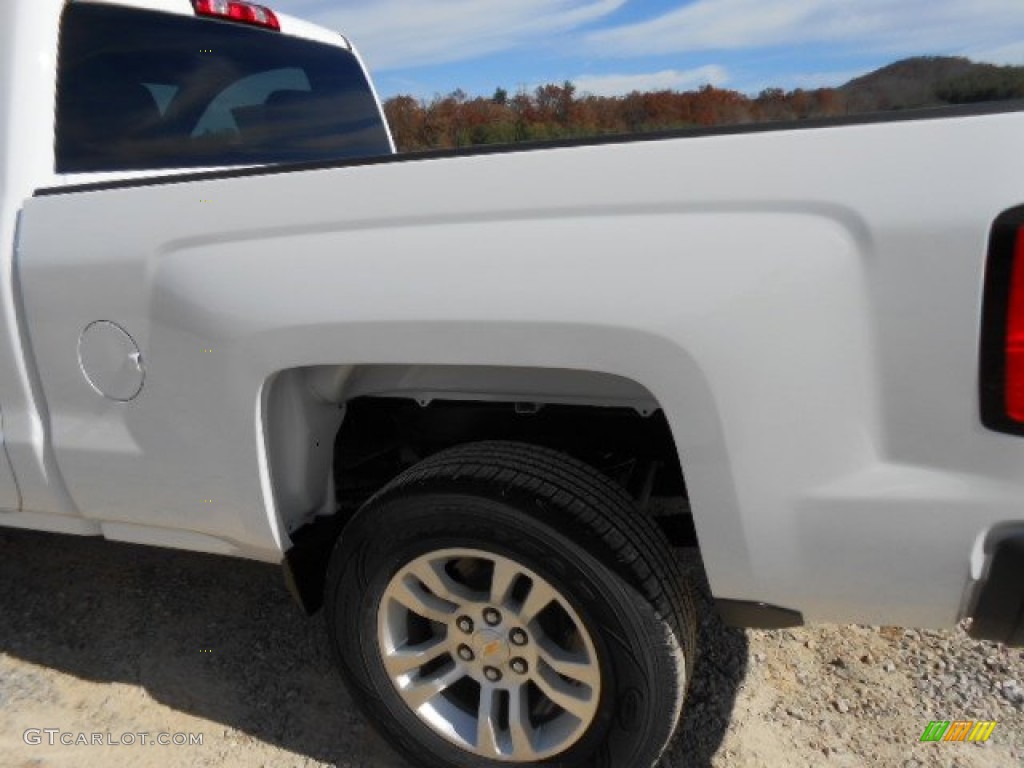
column 492, row 648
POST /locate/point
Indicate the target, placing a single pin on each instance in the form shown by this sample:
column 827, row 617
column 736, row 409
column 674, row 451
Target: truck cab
column 104, row 90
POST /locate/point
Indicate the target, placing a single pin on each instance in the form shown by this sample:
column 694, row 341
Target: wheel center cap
column 491, row 647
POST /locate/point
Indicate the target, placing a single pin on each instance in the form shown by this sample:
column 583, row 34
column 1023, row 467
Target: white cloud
column 668, row 79
column 393, row 34
column 921, row 26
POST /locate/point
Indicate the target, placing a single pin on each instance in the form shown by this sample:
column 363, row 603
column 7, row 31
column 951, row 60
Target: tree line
column 560, row 111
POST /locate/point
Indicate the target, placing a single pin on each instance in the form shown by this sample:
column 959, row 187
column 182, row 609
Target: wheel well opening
column 381, row 437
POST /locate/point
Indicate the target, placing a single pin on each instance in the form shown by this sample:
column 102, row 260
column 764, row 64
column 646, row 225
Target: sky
column 609, row 47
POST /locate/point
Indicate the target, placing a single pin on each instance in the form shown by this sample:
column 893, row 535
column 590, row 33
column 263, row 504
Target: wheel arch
column 304, row 408
column 313, row 414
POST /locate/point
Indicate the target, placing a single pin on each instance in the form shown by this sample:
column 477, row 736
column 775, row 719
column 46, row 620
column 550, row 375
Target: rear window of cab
column 139, row 89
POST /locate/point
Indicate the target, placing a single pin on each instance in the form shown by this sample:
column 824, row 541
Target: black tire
column 568, row 523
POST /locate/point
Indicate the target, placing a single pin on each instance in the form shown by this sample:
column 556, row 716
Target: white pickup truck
column 448, row 391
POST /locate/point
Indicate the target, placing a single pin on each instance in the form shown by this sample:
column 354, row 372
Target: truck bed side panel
column 803, row 305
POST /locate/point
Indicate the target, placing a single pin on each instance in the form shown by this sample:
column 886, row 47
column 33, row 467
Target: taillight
column 1002, row 342
column 232, row 10
column 1015, row 335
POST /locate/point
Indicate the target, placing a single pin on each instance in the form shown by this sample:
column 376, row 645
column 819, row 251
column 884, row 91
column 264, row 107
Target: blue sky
column 428, row 47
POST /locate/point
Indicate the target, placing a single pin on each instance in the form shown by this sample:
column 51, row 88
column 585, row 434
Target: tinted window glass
column 146, row 90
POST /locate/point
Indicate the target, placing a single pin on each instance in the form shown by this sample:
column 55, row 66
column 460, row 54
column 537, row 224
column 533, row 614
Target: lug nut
column 518, row 637
column 519, row 666
column 492, row 674
column 466, row 653
column 465, row 624
column 492, row 617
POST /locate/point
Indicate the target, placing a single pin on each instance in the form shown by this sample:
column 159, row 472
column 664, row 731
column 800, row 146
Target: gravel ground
column 101, row 637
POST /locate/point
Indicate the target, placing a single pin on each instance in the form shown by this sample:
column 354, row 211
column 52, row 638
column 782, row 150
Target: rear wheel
column 501, row 603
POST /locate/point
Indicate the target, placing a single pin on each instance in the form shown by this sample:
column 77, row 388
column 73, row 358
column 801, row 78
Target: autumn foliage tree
column 554, row 112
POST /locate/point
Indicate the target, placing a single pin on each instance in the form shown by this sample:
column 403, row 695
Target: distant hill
column 926, row 81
